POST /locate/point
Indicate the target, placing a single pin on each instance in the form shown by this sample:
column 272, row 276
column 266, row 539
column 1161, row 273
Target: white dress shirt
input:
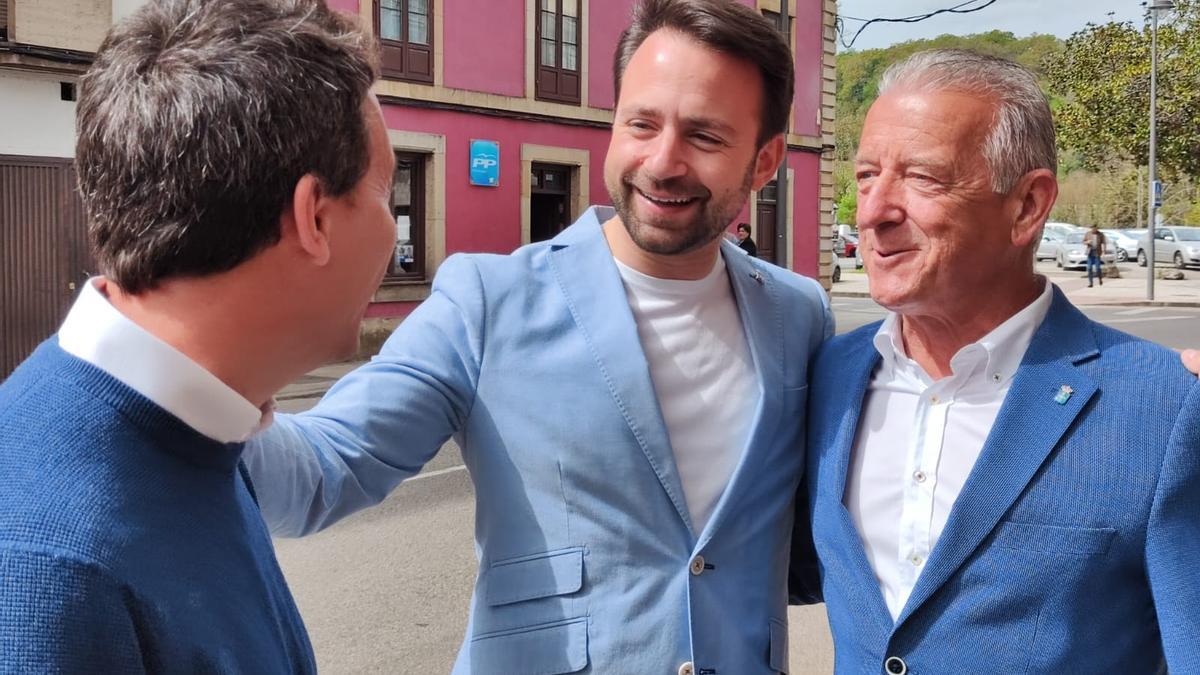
column 97, row 333
column 918, row 440
column 703, row 375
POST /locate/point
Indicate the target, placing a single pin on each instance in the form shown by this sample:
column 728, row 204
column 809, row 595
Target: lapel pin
column 757, row 276
column 1064, row 395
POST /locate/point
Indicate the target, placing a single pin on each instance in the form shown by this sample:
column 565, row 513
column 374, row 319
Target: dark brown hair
column 196, row 121
column 724, row 26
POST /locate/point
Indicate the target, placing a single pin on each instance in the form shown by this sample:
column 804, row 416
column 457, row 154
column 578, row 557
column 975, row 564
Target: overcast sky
column 1020, row 17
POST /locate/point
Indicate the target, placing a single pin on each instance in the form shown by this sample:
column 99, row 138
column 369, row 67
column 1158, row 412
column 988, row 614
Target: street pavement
column 387, row 590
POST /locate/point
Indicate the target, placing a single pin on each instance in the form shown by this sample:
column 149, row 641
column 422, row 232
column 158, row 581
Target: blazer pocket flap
column 779, row 646
column 548, row 649
column 535, row 576
column 1084, row 541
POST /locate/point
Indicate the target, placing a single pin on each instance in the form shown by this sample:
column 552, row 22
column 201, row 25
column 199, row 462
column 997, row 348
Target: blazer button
column 895, row 665
column 697, row 566
column 686, row 668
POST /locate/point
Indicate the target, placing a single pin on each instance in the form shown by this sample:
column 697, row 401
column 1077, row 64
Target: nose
column 664, row 158
column 879, row 202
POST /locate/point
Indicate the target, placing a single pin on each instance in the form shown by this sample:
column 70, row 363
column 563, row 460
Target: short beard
column 716, row 212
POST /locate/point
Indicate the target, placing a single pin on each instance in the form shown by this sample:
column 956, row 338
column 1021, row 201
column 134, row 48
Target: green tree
column 1103, row 78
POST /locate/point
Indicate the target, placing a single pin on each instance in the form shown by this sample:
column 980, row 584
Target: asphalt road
column 387, row 590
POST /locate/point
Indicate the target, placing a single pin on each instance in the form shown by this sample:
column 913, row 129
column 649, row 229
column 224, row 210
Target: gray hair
column 1022, row 135
column 198, row 118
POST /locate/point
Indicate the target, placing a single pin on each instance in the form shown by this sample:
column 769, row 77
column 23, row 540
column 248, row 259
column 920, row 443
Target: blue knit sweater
column 128, row 541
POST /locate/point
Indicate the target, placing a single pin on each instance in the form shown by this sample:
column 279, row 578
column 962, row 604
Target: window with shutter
column 559, row 47
column 405, row 30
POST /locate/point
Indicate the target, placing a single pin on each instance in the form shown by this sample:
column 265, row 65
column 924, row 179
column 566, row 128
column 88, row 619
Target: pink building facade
column 499, row 113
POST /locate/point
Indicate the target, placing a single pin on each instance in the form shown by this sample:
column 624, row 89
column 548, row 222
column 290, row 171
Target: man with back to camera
column 236, row 174
column 640, row 521
column 986, row 507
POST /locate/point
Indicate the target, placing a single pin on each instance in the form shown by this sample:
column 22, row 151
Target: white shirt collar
column 97, row 333
column 1000, row 351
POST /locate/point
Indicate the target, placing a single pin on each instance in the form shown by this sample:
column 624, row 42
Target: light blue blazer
column 1074, row 546
column 587, row 557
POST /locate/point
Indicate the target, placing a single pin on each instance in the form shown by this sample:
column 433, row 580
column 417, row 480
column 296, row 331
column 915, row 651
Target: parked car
column 850, row 247
column 837, row 267
column 1062, row 229
column 1177, row 245
column 1072, row 252
column 1048, row 249
column 1124, row 243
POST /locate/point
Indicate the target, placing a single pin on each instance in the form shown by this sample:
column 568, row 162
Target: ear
column 305, row 220
column 1031, row 200
column 766, row 164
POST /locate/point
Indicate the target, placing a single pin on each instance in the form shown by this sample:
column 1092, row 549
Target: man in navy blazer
column 628, row 397
column 991, row 491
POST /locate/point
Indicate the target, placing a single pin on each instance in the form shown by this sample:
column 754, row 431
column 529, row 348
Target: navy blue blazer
column 1074, row 546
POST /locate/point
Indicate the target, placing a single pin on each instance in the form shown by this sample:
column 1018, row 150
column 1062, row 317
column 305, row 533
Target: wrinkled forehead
column 921, row 121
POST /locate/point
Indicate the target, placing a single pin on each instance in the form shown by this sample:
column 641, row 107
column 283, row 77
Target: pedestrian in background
column 744, row 241
column 1095, row 243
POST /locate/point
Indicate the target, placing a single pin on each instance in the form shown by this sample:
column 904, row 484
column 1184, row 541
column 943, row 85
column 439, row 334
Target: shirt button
column 686, row 668
column 697, row 568
column 919, row 476
column 916, row 560
column 934, row 400
column 895, row 665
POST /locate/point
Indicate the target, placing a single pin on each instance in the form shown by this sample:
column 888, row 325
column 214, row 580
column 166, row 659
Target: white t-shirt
column 703, row 375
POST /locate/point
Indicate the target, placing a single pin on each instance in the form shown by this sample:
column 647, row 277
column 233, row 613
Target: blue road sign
column 1158, row 187
column 485, row 163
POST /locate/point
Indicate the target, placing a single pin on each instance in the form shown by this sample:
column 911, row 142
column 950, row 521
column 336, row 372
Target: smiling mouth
column 672, row 202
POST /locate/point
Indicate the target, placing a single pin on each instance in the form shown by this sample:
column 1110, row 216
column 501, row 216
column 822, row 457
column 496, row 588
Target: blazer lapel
column 583, row 266
column 861, row 359
column 759, row 308
column 1030, row 424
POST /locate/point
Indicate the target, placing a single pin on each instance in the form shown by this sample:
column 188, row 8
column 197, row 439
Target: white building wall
column 34, row 120
column 123, row 8
column 65, row 24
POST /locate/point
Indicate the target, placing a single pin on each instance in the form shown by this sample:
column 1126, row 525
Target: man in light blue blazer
column 629, row 397
column 992, row 488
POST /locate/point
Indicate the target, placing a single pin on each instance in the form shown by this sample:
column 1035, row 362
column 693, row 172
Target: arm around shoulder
column 380, row 423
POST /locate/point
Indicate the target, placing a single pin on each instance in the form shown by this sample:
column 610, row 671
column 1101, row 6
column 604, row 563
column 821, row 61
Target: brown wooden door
column 764, row 231
column 44, row 256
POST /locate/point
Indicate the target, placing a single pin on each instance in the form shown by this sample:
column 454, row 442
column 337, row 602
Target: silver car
column 1124, row 243
column 1072, row 252
column 1179, row 246
column 1048, row 248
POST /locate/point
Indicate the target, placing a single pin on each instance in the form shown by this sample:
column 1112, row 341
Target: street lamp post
column 1155, row 7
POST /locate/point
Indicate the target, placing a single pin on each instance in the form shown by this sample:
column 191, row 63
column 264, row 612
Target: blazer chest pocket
column 1058, row 539
column 535, row 576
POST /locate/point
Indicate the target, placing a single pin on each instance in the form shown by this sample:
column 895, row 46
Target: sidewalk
column 1129, row 290
column 317, row 382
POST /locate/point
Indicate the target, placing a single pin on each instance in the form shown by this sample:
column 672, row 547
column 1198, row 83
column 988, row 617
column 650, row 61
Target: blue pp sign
column 485, row 163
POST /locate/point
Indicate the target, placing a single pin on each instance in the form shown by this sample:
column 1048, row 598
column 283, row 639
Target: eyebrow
column 695, row 122
column 918, row 163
